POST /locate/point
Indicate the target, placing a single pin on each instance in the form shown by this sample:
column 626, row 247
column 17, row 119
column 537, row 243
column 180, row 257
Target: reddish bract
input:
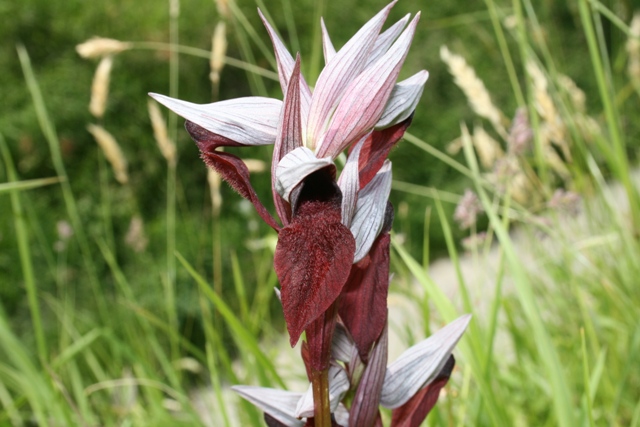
column 363, row 306
column 376, row 150
column 413, row 413
column 230, row 167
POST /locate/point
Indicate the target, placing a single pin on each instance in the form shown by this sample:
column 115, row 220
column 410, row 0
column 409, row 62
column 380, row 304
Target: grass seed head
column 98, row 47
column 111, row 151
column 474, row 89
column 633, row 49
column 218, row 52
column 213, row 178
column 488, row 149
column 166, row 146
column 100, row 87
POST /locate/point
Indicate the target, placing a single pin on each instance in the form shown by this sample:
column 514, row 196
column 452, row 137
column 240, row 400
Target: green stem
column 320, row 387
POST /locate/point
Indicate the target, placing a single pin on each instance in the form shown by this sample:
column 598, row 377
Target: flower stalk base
column 320, row 387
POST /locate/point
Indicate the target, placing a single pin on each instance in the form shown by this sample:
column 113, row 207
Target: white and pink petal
column 420, row 364
column 295, row 167
column 365, row 98
column 370, row 211
column 338, row 74
column 246, row 121
column 403, row 100
column 279, row 404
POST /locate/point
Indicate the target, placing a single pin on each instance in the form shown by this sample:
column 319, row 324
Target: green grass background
column 79, row 326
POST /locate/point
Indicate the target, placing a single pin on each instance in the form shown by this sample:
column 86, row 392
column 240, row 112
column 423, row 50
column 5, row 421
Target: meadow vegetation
column 130, row 277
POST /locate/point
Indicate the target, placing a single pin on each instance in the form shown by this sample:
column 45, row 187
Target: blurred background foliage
column 50, row 30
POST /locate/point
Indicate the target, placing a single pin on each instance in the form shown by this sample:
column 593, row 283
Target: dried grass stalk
column 166, row 146
column 223, row 8
column 214, row 180
column 100, row 87
column 218, row 52
column 255, row 165
column 112, row 152
column 488, row 149
column 553, row 129
column 474, row 89
column 633, row 50
column 98, row 47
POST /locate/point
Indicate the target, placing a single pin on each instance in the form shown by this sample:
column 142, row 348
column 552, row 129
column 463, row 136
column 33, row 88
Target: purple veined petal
column 327, row 47
column 339, row 73
column 370, row 211
column 280, row 404
column 364, row 408
column 349, row 183
column 420, row 364
column 341, row 415
column 286, row 65
column 386, row 39
column 289, row 136
column 403, row 100
column 247, row 121
column 342, row 346
column 295, row 167
column 338, row 386
column 365, row 98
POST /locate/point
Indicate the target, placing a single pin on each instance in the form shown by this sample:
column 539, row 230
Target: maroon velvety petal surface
column 413, row 413
column 231, row 168
column 314, row 254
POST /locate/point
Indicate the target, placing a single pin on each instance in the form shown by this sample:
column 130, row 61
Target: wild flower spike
column 327, row 225
column 410, row 385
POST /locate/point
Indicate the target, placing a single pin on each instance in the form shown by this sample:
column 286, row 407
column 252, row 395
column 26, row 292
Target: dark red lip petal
column 312, row 260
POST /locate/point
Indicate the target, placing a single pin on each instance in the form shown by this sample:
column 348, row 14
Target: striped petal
column 294, row 168
column 327, row 47
column 289, row 137
column 386, row 39
column 339, row 73
column 349, row 183
column 279, row 404
column 365, row 98
column 370, row 211
column 286, row 64
column 245, row 121
column 421, row 364
column 403, row 100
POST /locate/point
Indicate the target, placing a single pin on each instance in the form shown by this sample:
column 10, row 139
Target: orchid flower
column 332, row 255
column 409, row 386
